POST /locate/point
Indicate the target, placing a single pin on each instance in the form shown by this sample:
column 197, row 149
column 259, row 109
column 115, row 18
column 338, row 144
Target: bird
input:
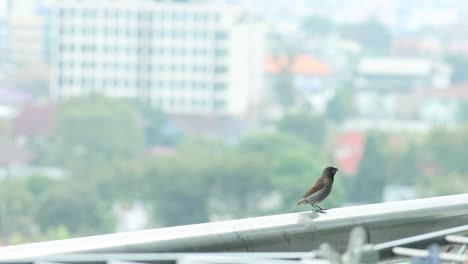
column 320, row 190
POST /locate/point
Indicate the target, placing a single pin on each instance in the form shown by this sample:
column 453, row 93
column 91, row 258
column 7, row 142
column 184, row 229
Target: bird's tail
column 301, row 201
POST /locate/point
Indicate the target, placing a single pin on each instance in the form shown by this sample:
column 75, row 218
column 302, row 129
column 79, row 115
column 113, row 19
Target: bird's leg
column 317, row 209
column 320, row 207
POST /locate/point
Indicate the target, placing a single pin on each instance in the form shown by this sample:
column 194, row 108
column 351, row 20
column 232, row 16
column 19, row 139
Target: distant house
column 310, row 76
column 443, row 106
column 381, row 81
column 417, row 45
column 13, row 97
column 35, row 120
column 400, row 74
column 349, row 148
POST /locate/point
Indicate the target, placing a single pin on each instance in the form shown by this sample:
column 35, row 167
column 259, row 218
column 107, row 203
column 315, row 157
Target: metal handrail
column 287, row 232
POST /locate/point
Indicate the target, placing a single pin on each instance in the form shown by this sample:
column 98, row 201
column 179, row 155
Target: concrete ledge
column 292, row 232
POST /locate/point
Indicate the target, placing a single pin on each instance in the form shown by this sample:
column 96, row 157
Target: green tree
column 243, row 183
column 309, row 127
column 39, row 184
column 447, row 184
column 371, row 34
column 93, row 130
column 369, row 181
column 75, row 206
column 459, row 64
column 462, row 113
column 340, row 107
column 403, row 167
column 447, row 149
column 178, row 188
column 284, row 91
column 158, row 129
column 317, row 25
column 16, row 216
column 295, row 163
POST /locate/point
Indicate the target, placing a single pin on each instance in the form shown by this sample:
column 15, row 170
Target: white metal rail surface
column 294, row 232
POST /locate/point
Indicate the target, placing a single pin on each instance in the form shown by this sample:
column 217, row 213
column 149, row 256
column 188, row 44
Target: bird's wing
column 317, row 186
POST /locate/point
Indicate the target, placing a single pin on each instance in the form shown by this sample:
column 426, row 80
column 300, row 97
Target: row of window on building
column 159, row 15
column 186, row 102
column 150, row 68
column 161, row 33
column 155, row 84
column 162, row 50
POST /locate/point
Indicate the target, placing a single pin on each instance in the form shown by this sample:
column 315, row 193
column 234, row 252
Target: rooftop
column 394, row 66
column 302, row 64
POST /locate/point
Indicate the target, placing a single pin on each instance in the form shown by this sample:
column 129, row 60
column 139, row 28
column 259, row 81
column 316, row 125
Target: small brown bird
column 320, row 190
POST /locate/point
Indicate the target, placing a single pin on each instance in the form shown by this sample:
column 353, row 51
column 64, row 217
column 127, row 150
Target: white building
column 24, row 32
column 381, row 82
column 183, row 57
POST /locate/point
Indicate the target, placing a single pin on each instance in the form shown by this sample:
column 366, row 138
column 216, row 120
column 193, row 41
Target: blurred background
column 126, row 115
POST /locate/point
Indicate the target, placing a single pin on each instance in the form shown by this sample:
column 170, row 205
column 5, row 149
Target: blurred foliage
column 74, row 207
column 103, row 146
column 340, row 107
column 158, row 129
column 93, row 130
column 369, row 181
column 317, row 25
column 283, row 89
column 16, row 211
column 403, row 167
column 309, row 127
column 445, row 184
column 447, row 149
column 371, row 34
column 459, row 64
column 295, row 163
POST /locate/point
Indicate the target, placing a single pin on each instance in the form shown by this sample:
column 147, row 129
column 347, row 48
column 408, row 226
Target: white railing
column 293, row 232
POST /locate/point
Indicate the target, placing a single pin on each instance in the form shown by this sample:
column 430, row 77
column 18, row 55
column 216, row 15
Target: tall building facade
column 24, row 31
column 183, row 57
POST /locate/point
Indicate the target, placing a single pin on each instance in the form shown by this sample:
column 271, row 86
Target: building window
column 220, row 86
column 221, row 35
column 221, row 52
column 160, row 84
column 220, row 69
column 219, row 104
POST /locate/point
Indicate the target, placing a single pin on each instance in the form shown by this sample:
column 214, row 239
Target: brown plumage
column 320, row 190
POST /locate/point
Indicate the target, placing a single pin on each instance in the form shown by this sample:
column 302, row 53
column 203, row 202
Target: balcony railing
column 389, row 229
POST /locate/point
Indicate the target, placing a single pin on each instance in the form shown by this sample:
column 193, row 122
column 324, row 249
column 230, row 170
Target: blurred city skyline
column 149, row 109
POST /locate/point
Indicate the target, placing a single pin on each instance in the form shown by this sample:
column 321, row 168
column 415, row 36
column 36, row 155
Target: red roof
column 349, row 150
column 36, row 119
column 308, row 65
column 303, row 64
column 274, row 65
